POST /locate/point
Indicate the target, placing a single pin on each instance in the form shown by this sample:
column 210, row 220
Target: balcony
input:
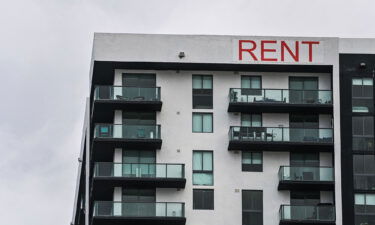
column 306, row 178
column 110, row 136
column 280, row 139
column 110, row 98
column 280, row 101
column 108, row 175
column 134, row 213
column 307, row 214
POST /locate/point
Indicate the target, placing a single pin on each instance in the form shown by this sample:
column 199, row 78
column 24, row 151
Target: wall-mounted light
column 181, row 55
column 362, row 65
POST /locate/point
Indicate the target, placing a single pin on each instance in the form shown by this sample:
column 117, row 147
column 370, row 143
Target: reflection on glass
column 140, row 170
column 127, row 131
column 269, row 134
column 127, row 93
column 307, row 212
column 246, row 95
column 294, row 173
column 139, row 209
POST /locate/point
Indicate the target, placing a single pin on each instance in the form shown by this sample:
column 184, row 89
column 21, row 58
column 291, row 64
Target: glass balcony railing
column 316, row 213
column 127, row 131
column 281, row 134
column 295, row 173
column 139, row 170
column 287, row 96
column 127, row 93
column 139, row 209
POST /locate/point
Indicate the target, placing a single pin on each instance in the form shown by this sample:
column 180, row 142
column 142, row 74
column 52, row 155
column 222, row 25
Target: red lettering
column 263, row 50
column 250, row 51
column 311, row 43
column 295, row 55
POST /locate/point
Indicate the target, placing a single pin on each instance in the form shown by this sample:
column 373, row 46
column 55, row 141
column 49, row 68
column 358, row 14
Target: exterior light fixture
column 181, row 55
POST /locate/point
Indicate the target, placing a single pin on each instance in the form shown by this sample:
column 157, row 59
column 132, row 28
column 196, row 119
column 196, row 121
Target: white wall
column 179, row 142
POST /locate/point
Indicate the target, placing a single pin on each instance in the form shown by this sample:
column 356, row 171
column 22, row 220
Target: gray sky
column 45, row 49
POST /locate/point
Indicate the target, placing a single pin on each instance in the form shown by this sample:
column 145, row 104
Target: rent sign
column 278, row 51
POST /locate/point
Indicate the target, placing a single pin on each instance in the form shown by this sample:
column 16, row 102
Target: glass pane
column 311, row 84
column 255, row 83
column 367, row 81
column 245, row 82
column 358, row 164
column 246, row 158
column 256, row 120
column 295, row 84
column 197, row 123
column 207, row 82
column 174, row 171
column 257, row 158
column 370, row 199
column 202, row 179
column 357, row 125
column 246, row 120
column 147, row 157
column 197, row 161
column 207, row 161
column 207, row 122
column 369, row 164
column 368, row 125
column 197, row 82
column 130, row 156
column 359, row 199
column 252, row 200
column 357, row 81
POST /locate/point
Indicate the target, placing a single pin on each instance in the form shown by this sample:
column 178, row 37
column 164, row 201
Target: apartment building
column 241, row 130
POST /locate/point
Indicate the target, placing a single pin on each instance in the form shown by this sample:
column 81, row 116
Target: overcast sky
column 45, row 49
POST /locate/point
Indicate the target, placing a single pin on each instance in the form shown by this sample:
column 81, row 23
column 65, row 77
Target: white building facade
column 199, row 130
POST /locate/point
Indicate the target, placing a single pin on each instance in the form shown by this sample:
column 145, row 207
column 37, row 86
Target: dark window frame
column 250, row 77
column 202, row 92
column 124, row 84
column 251, row 118
column 362, row 100
column 251, row 210
column 252, row 91
column 203, row 171
column 202, row 113
column 252, row 167
column 203, row 191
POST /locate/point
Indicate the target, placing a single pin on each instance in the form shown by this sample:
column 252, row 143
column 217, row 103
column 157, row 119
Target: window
column 252, row 161
column 363, row 133
column 203, row 168
column 138, row 163
column 202, row 91
column 303, row 90
column 203, row 199
column 252, row 207
column 138, row 80
column 304, row 197
column 202, row 123
column 364, row 172
column 251, row 85
column 251, row 120
column 138, row 195
column 304, row 159
column 362, row 95
column 364, row 207
column 251, row 82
